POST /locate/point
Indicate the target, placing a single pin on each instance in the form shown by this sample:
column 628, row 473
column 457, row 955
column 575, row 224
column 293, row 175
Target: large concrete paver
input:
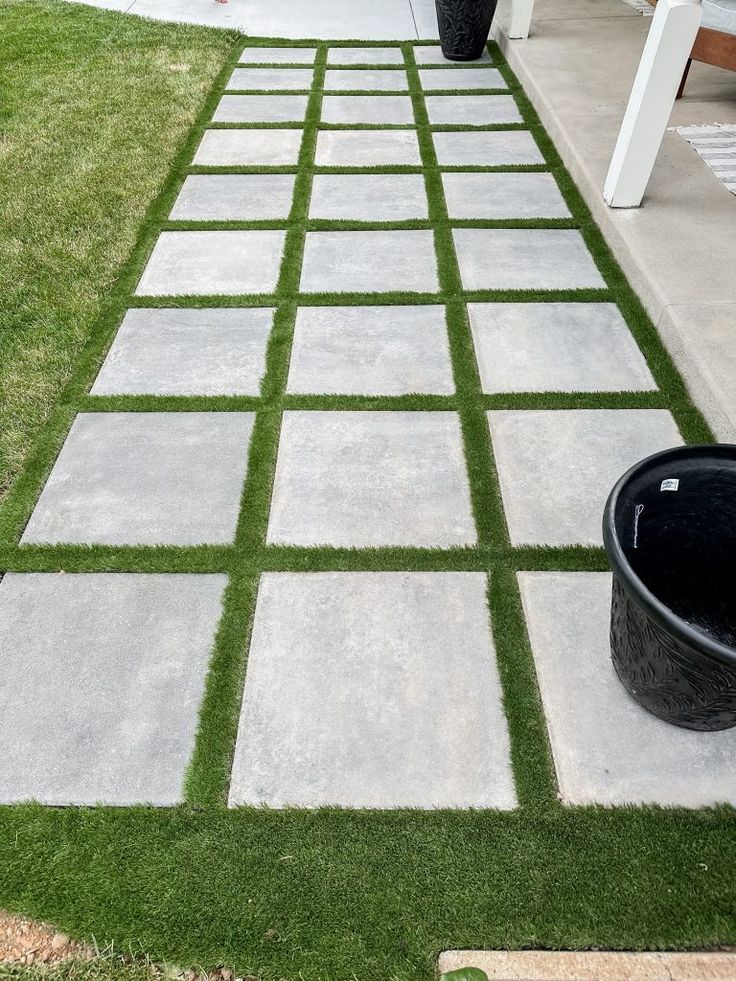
column 485, row 148
column 369, row 262
column 387, row 110
column 367, row 148
column 211, row 263
column 220, row 351
column 234, row 197
column 364, row 350
column 271, row 79
column 525, row 258
column 261, row 109
column 368, row 197
column 431, row 54
column 249, row 148
column 556, row 347
column 503, row 195
column 366, row 479
column 607, row 749
column 103, row 675
column 372, row 689
column 379, row 80
column 364, row 56
column 557, row 467
column 146, row 478
column 254, row 55
column 471, row 110
column 432, row 79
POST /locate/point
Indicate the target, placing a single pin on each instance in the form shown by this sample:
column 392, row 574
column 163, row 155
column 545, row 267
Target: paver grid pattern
column 283, row 249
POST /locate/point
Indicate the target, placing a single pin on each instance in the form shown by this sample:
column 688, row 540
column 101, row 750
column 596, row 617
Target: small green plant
column 465, row 974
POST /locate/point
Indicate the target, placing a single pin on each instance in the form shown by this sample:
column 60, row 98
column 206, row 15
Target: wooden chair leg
column 684, row 79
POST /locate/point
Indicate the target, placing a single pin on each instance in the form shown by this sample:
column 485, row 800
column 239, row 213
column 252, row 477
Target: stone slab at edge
column 568, row 965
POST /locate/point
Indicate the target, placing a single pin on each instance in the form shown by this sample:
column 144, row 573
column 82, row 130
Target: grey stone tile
column 381, row 350
column 187, row 352
column 261, row 109
column 556, row 347
column 486, row 148
column 271, row 79
column 501, row 195
column 364, row 479
column 103, row 675
column 607, row 749
column 524, row 258
column 372, row 689
column 387, row 110
column 226, row 263
column 367, row 148
column 368, row 197
column 471, row 110
column 365, row 56
column 146, row 478
column 355, row 79
column 249, row 148
column 556, row 468
column 234, row 197
column 434, row 79
column 369, row 262
column 431, row 54
column 278, row 56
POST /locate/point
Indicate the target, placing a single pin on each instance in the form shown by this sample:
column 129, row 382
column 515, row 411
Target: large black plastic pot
column 464, row 27
column 669, row 529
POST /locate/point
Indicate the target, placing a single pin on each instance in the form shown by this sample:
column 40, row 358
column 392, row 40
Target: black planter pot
column 464, row 27
column 669, row 528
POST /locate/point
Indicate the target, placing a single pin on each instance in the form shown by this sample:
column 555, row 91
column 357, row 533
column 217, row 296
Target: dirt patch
column 24, row 941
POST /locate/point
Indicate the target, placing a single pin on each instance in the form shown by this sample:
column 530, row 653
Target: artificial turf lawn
column 338, row 894
column 93, row 108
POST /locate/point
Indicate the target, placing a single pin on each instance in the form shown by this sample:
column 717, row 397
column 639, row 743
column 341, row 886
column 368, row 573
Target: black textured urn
column 464, row 27
column 669, row 529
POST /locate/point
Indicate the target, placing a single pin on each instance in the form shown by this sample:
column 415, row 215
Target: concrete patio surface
column 679, row 249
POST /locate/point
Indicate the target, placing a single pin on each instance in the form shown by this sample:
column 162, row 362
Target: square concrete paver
column 365, row 56
column 234, row 197
column 556, row 347
column 607, row 749
column 271, row 79
column 486, row 148
column 365, row 479
column 382, row 350
column 368, row 197
column 261, row 109
column 431, row 54
column 278, row 56
column 187, row 352
column 103, row 676
column 249, row 148
column 496, row 196
column 433, row 79
column 524, row 258
column 471, row 110
column 557, row 467
column 226, row 263
column 369, row 262
column 146, row 478
column 367, row 148
column 372, row 689
column 378, row 80
column 384, row 110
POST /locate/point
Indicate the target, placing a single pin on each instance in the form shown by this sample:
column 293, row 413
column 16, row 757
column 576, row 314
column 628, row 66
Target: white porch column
column 671, row 36
column 521, row 18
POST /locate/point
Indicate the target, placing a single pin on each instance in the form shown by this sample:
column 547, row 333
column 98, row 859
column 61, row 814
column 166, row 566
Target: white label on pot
column 671, row 484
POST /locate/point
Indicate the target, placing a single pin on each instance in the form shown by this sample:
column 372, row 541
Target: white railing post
column 671, row 36
column 521, row 18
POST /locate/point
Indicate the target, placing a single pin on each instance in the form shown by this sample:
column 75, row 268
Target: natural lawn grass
column 94, row 107
column 334, row 894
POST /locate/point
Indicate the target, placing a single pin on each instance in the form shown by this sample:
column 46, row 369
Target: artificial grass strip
column 330, row 894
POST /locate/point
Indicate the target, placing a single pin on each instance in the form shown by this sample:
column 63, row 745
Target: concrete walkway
column 381, row 20
column 390, row 305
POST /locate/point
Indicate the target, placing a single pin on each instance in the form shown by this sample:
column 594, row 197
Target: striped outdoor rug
column 717, row 146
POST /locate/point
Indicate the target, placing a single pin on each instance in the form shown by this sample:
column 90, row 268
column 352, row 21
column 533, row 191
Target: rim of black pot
column 662, row 614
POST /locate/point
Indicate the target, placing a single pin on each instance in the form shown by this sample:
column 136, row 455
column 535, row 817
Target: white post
column 521, row 18
column 671, row 36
